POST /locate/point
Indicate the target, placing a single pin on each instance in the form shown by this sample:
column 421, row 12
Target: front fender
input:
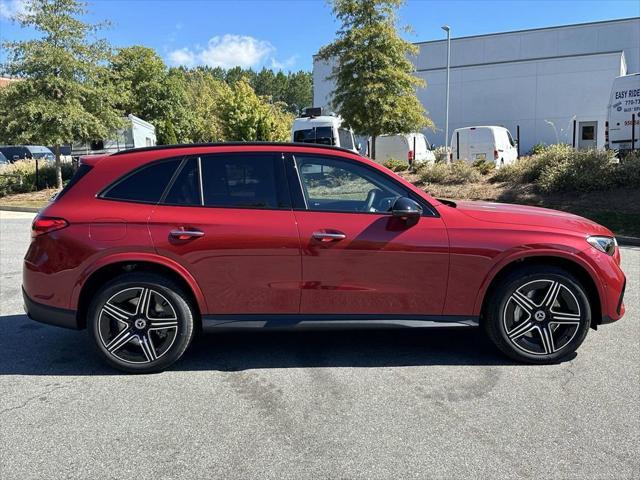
column 527, row 252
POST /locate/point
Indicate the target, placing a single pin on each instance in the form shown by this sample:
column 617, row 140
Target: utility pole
column 447, row 29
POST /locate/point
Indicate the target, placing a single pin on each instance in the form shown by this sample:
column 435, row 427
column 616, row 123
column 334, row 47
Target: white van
column 409, row 147
column 313, row 127
column 488, row 143
column 623, row 104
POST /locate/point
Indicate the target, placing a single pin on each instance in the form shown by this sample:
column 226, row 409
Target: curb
column 11, row 208
column 628, row 241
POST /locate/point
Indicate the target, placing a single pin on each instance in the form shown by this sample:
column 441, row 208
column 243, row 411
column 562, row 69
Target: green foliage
column 375, row 85
column 20, row 177
column 455, row 173
column 560, row 168
column 537, row 149
column 64, row 94
column 152, row 92
column 396, row 165
column 484, row 167
column 245, row 116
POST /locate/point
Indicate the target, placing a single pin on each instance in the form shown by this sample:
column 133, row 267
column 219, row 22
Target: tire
column 141, row 340
column 538, row 314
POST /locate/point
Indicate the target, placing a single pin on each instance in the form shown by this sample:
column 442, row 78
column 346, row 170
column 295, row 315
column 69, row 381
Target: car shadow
column 31, row 348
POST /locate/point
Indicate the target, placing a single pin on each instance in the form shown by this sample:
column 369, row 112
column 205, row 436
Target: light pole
column 447, row 29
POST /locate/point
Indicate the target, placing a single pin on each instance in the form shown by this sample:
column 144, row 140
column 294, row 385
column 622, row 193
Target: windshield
column 513, row 144
column 320, row 135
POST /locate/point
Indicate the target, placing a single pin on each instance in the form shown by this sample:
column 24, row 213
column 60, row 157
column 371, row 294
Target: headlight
column 604, row 244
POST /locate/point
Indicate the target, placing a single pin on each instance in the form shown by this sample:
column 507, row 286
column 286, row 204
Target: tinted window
column 320, row 135
column 341, row 186
column 146, row 184
column 186, row 187
column 243, row 180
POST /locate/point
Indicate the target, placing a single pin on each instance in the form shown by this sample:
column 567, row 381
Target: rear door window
column 144, row 185
column 319, row 135
column 185, row 189
column 251, row 180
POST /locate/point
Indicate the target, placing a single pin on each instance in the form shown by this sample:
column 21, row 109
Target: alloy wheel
column 137, row 325
column 541, row 317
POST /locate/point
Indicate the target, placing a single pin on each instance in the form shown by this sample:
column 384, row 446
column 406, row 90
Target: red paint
column 267, row 261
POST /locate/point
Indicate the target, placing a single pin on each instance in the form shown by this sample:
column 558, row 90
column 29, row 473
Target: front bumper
column 59, row 317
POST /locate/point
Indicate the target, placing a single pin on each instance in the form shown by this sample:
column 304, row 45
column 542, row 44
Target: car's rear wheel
column 141, row 322
column 538, row 314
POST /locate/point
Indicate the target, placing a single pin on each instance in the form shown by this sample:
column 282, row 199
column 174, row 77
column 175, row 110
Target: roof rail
column 227, row 144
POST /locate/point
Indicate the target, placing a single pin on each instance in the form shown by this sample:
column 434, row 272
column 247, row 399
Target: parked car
column 489, row 143
column 144, row 247
column 409, row 147
column 314, row 127
column 26, row 152
column 622, row 127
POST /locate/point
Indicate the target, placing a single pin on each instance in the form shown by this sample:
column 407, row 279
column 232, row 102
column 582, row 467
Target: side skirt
column 333, row 322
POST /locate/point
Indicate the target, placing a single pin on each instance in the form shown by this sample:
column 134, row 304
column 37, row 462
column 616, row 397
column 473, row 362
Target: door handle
column 181, row 234
column 329, row 236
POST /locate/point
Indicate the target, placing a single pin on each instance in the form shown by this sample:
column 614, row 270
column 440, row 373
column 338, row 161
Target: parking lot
column 402, row 404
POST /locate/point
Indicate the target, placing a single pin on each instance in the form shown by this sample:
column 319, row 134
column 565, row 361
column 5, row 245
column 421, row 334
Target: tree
column 204, row 95
column 375, row 88
column 299, row 93
column 64, row 94
column 152, row 92
column 247, row 117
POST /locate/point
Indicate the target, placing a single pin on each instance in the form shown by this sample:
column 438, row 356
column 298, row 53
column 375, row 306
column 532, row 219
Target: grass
column 30, row 199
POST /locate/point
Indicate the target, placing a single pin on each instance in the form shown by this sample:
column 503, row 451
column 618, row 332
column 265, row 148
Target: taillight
column 410, row 156
column 42, row 225
column 495, row 154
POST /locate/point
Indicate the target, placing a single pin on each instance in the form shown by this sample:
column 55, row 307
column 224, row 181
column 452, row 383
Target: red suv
column 144, row 247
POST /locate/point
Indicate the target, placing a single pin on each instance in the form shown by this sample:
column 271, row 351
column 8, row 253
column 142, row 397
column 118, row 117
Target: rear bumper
column 51, row 315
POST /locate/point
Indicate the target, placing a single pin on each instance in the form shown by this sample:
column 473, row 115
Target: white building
column 526, row 78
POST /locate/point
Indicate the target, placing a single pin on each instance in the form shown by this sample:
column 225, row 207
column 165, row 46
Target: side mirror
column 407, row 210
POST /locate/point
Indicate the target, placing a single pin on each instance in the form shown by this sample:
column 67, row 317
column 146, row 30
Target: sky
column 285, row 34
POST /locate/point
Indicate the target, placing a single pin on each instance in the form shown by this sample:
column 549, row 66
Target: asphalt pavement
column 402, row 404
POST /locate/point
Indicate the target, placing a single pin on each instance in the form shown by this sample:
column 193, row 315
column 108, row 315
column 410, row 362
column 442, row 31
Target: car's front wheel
column 141, row 322
column 538, row 314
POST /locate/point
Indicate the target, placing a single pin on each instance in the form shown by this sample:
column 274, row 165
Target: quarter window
column 146, row 184
column 340, row 186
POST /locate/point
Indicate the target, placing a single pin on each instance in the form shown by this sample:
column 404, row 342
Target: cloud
column 225, row 51
column 288, row 63
column 10, row 8
column 182, row 56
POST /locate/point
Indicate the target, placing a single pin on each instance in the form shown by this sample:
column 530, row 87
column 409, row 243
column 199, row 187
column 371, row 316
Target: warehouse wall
column 522, row 78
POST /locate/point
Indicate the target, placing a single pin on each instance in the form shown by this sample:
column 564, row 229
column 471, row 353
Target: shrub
column 537, row 149
column 456, row 173
column 396, row 165
column 20, row 177
column 582, row 170
column 441, row 153
column 484, row 167
column 627, row 172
